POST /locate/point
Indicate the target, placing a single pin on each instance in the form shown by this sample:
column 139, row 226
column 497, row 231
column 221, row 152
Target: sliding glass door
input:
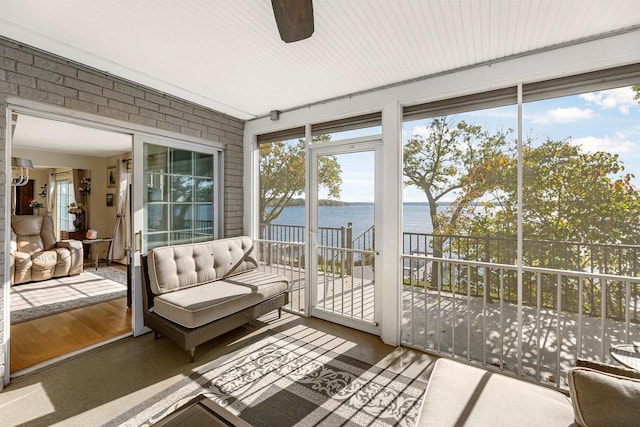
column 177, row 198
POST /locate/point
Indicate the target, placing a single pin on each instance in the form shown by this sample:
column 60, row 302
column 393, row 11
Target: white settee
column 196, row 292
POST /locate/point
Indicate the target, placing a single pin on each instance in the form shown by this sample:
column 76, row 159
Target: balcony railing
column 453, row 318
column 597, row 258
column 578, row 299
column 344, row 277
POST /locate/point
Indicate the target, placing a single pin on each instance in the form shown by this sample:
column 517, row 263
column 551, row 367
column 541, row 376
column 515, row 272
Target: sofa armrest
column 20, row 267
column 77, row 254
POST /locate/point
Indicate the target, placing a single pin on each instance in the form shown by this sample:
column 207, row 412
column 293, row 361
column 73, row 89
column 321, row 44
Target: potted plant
column 78, row 209
column 35, row 205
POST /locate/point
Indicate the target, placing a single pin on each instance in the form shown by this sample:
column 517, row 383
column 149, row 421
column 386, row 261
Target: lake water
column 416, row 217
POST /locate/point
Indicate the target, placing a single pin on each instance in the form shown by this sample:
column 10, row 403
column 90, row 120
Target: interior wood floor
column 48, row 337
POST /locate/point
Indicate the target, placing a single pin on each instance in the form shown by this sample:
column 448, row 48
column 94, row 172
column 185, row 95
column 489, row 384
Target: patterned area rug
column 281, row 381
column 38, row 299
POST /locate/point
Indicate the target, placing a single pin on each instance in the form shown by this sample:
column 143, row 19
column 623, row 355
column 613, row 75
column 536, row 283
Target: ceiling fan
column 294, row 19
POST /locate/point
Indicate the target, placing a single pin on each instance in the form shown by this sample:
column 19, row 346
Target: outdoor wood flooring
column 48, row 337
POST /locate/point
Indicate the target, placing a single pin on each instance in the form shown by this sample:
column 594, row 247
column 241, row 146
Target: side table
column 94, row 244
column 627, row 355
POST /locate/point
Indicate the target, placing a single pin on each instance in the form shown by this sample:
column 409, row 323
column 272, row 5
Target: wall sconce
column 85, row 186
column 43, row 190
column 22, row 166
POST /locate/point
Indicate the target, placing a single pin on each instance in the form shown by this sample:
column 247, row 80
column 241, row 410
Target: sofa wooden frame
column 189, row 338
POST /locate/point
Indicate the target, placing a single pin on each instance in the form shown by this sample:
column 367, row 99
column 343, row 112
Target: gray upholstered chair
column 35, row 253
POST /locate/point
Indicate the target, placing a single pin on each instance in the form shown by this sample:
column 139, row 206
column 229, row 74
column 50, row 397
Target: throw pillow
column 604, row 399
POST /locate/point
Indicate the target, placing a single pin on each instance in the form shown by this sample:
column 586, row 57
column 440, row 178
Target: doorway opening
column 73, row 188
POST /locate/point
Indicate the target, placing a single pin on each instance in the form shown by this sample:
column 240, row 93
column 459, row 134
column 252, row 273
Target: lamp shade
column 18, row 162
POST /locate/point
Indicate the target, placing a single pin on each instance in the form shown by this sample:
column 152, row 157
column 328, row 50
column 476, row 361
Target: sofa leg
column 157, row 335
column 279, row 312
column 192, row 354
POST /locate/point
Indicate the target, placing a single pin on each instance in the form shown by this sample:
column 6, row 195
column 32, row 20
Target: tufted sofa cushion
column 197, row 306
column 173, row 268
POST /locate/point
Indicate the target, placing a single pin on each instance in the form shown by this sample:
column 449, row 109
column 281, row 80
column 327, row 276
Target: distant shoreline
column 300, row 203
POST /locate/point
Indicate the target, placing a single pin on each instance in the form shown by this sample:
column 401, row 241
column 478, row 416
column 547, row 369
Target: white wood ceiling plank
column 228, row 53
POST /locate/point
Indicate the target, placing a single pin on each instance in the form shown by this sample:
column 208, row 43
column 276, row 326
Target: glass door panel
column 344, row 249
column 177, row 197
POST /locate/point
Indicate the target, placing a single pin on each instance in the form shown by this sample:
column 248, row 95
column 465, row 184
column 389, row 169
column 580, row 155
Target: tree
column 568, row 195
column 456, row 161
column 282, row 175
column 636, row 89
column 453, row 160
column 576, row 204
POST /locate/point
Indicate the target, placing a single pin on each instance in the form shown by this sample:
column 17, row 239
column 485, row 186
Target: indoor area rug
column 278, row 380
column 38, row 299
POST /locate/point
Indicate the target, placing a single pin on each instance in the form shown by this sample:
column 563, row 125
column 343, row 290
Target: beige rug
column 38, row 299
column 277, row 380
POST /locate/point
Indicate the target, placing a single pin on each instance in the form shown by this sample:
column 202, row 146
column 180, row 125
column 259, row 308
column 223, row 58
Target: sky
column 604, row 120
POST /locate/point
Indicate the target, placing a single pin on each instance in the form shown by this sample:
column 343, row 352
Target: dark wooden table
column 96, row 243
column 201, row 411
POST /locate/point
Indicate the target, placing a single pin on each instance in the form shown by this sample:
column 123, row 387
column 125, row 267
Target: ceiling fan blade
column 294, row 19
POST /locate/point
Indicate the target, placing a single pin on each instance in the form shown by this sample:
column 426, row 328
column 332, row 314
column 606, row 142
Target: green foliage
column 568, row 195
column 282, row 175
column 459, row 159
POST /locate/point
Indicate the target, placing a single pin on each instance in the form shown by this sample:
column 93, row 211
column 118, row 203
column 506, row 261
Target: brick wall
column 37, row 76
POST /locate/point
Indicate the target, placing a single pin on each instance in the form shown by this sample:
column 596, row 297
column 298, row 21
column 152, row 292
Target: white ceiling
column 227, row 54
column 52, row 136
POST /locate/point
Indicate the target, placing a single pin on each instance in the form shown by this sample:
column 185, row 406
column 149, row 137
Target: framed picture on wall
column 109, row 199
column 111, row 177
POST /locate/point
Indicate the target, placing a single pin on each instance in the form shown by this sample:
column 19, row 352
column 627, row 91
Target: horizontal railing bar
column 513, row 239
column 280, row 242
column 529, row 269
column 335, row 248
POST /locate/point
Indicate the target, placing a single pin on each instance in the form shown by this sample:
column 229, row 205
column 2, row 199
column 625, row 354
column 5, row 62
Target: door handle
column 138, row 241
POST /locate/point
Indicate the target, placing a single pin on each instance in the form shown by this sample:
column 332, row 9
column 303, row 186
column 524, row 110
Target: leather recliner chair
column 35, row 254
